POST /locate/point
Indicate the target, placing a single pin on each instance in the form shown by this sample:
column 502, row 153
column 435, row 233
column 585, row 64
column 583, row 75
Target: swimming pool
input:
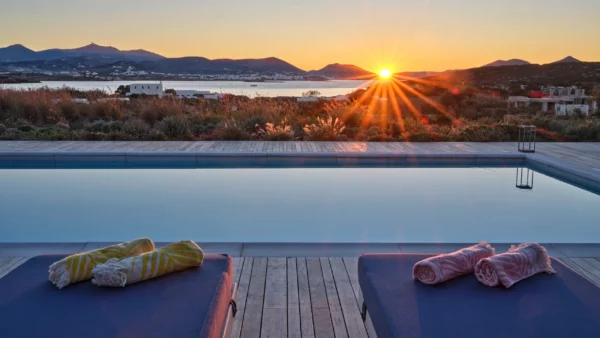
column 295, row 205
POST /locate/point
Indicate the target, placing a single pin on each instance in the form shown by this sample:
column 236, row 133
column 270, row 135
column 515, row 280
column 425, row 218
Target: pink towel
column 517, row 264
column 441, row 268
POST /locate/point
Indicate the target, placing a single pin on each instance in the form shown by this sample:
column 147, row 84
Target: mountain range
column 102, row 59
column 17, row 53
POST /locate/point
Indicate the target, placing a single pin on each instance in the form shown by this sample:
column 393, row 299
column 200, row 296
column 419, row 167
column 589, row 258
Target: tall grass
column 46, row 114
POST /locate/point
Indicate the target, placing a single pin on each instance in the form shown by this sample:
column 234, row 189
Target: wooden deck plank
column 335, row 309
column 318, row 298
column 354, row 324
column 593, row 261
column 242, row 295
column 351, row 264
column 590, row 268
column 293, row 302
column 571, row 263
column 306, row 317
column 255, row 299
column 238, row 262
column 274, row 319
column 12, row 264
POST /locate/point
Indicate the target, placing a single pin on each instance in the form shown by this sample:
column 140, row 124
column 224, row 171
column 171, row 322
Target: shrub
column 281, row 132
column 99, row 126
column 62, row 126
column 2, row 128
column 324, row 130
column 136, row 128
column 427, row 137
column 250, row 123
column 26, row 128
column 174, row 126
column 231, row 131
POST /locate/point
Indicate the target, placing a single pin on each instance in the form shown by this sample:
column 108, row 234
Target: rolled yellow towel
column 174, row 257
column 78, row 267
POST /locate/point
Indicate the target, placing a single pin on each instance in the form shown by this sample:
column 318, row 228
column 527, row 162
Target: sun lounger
column 197, row 302
column 394, row 305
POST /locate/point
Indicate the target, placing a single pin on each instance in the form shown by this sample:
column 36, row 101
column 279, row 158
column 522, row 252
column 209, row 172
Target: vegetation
column 52, row 115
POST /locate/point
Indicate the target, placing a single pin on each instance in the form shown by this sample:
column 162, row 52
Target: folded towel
column 438, row 269
column 517, row 264
column 78, row 267
column 171, row 258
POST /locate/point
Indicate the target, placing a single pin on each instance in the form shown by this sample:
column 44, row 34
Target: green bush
column 174, row 126
column 231, row 133
column 26, row 128
column 136, row 128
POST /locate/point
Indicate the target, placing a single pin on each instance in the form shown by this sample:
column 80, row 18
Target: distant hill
column 417, row 75
column 549, row 74
column 341, row 71
column 568, row 59
column 16, row 53
column 511, row 62
column 104, row 65
column 200, row 65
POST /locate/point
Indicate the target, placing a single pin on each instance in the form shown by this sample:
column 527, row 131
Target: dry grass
column 51, row 115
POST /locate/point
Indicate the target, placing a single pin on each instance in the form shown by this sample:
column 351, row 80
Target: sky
column 402, row 35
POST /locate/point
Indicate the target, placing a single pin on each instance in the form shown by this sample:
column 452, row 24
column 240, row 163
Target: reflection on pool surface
column 346, row 205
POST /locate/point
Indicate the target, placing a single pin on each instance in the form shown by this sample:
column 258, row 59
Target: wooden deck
column 305, row 296
column 585, row 154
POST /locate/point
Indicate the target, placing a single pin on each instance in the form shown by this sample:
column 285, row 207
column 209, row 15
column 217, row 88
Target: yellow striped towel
column 174, row 257
column 78, row 267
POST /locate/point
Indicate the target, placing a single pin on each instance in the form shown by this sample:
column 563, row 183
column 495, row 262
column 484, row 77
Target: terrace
column 306, row 289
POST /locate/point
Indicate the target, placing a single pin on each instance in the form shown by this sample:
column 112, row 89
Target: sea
column 251, row 89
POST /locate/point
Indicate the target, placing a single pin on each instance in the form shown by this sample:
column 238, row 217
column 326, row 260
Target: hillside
column 568, row 59
column 18, row 53
column 511, row 62
column 341, row 71
column 549, row 74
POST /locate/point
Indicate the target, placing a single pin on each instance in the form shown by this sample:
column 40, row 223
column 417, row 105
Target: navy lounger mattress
column 564, row 305
column 190, row 303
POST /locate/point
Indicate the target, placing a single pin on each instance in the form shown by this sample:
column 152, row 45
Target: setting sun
column 385, row 74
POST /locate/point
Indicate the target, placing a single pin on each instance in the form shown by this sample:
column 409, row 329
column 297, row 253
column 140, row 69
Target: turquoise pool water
column 342, row 205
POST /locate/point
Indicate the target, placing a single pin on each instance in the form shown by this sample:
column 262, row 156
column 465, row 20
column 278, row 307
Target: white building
column 150, row 89
column 559, row 100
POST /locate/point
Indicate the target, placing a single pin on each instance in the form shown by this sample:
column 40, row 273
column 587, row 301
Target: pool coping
column 241, row 249
column 563, row 170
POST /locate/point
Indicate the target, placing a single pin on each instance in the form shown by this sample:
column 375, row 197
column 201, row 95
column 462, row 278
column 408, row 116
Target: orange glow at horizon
column 389, row 97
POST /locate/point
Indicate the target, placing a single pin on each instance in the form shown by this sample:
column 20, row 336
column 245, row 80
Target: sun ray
column 425, row 81
column 397, row 112
column 434, row 104
column 416, row 113
column 365, row 77
column 370, row 108
column 384, row 105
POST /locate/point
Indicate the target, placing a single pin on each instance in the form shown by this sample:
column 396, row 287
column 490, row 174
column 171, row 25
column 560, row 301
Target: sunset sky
column 403, row 35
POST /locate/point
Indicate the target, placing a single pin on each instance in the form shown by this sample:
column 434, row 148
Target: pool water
column 341, row 205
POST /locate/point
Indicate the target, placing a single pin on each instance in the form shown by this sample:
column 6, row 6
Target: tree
column 122, row 90
column 171, row 92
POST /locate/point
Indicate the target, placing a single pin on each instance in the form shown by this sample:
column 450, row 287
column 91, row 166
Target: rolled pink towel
column 518, row 263
column 438, row 269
